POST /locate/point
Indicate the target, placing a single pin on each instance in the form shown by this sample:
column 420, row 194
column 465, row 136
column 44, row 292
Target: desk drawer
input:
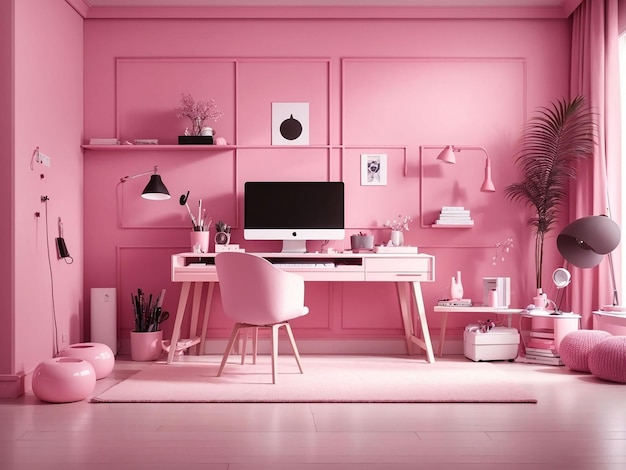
column 401, row 268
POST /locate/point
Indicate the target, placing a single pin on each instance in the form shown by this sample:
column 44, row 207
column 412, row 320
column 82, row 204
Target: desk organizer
column 500, row 343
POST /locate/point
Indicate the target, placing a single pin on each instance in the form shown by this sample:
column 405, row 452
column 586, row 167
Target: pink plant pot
column 99, row 355
column 63, row 380
column 146, row 346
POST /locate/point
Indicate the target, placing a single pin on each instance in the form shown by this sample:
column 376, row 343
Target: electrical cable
column 55, row 329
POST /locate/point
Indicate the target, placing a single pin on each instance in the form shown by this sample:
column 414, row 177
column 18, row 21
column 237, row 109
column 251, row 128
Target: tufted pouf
column 99, row 355
column 607, row 360
column 575, row 346
column 63, row 380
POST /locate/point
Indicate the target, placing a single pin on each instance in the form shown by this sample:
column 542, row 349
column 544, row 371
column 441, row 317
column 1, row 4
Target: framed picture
column 373, row 169
column 290, row 123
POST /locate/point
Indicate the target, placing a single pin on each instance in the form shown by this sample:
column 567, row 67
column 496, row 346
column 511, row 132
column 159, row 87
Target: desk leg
column 195, row 309
column 425, row 344
column 442, row 334
column 207, row 311
column 405, row 309
column 180, row 313
column 563, row 326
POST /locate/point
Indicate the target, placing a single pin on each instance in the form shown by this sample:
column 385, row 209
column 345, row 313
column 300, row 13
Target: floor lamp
column 586, row 241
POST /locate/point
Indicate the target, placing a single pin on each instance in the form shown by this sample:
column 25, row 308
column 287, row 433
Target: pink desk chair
column 257, row 294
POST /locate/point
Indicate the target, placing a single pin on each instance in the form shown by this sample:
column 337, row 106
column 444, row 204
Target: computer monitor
column 294, row 212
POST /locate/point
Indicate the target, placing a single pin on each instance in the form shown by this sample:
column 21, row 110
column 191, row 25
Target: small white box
column 500, row 343
column 502, row 286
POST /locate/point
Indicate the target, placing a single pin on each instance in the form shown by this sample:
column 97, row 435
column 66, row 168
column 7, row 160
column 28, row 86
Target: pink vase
column 146, row 346
column 456, row 287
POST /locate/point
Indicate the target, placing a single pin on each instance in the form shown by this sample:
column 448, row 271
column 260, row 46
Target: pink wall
column 47, row 94
column 376, row 86
column 6, row 196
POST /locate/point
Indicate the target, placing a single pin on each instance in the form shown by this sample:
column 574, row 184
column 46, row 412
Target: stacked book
column 454, row 215
column 106, row 141
column 541, row 349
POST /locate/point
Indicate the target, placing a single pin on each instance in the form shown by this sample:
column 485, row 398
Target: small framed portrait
column 373, row 169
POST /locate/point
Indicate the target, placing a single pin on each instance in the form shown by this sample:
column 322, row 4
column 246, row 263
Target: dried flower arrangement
column 400, row 224
column 198, row 112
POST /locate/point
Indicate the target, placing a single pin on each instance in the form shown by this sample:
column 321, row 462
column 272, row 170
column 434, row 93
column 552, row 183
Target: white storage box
column 498, row 344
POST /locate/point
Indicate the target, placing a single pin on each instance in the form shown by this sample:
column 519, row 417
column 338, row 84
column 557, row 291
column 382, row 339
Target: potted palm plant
column 552, row 144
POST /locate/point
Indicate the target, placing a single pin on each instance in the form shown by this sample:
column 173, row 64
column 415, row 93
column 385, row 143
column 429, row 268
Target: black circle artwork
column 291, row 128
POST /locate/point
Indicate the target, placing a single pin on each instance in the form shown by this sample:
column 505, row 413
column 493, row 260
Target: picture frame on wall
column 373, row 169
column 290, row 123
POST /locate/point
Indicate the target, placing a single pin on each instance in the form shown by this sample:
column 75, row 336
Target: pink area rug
column 344, row 379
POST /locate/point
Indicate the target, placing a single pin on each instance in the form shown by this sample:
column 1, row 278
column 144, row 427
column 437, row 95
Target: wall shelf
column 451, row 226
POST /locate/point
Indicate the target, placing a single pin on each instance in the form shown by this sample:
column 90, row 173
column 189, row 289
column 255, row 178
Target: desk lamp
column 155, row 190
column 584, row 243
column 447, row 156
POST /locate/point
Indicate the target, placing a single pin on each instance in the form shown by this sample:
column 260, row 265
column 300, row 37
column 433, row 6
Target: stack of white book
column 541, row 348
column 454, row 215
column 106, row 141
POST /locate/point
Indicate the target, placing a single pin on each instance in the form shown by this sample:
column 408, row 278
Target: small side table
column 477, row 309
column 563, row 323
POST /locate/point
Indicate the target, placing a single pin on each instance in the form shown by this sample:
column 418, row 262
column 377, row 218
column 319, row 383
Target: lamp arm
column 126, row 178
column 612, row 269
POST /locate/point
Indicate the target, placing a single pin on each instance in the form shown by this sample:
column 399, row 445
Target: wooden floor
column 578, row 423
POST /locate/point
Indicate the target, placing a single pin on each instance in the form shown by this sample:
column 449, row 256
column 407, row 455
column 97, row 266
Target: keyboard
column 305, row 265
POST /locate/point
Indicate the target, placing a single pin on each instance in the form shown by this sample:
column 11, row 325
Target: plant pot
column 362, row 242
column 145, row 346
column 195, row 140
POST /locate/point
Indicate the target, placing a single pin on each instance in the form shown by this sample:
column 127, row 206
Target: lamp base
column 614, row 308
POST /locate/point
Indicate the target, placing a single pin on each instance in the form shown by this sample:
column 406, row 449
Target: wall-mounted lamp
column 447, row 155
column 155, row 190
column 584, row 243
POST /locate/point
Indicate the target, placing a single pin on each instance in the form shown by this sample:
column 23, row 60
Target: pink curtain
column 595, row 74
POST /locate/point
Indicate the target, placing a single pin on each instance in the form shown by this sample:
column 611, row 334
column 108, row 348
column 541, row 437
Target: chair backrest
column 257, row 292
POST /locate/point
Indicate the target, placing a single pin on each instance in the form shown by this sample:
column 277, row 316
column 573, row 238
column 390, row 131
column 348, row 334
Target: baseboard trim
column 12, row 385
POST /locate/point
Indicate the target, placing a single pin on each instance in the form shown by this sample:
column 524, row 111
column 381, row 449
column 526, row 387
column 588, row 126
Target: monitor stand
column 294, row 246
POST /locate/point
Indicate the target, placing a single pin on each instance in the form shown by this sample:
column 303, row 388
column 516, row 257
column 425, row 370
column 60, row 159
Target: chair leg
column 293, row 345
column 274, row 350
column 244, row 345
column 255, row 339
column 229, row 347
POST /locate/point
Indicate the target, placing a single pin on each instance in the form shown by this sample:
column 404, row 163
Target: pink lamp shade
column 585, row 241
column 488, row 186
column 447, row 155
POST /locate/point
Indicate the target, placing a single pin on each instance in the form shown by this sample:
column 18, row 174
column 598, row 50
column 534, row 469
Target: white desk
column 407, row 271
column 474, row 309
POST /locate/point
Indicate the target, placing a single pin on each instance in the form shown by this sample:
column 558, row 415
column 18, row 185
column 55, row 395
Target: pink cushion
column 575, row 346
column 607, row 360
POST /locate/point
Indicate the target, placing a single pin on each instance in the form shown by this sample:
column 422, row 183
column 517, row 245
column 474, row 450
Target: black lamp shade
column 155, row 190
column 585, row 241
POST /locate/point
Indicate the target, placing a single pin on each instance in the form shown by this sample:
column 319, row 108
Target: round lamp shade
column 585, row 241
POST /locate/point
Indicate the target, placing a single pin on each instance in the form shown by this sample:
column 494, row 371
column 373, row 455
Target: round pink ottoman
column 99, row 355
column 607, row 360
column 575, row 346
column 63, row 379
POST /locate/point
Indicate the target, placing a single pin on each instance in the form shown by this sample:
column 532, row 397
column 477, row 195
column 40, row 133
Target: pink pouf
column 607, row 360
column 576, row 345
column 99, row 355
column 63, row 380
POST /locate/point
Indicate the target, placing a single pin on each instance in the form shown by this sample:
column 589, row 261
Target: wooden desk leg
column 195, row 309
column 425, row 344
column 442, row 334
column 207, row 311
column 405, row 309
column 180, row 313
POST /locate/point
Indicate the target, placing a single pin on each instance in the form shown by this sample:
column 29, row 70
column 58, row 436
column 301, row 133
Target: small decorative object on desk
column 222, row 235
column 197, row 112
column 361, row 242
column 398, row 226
column 456, row 287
